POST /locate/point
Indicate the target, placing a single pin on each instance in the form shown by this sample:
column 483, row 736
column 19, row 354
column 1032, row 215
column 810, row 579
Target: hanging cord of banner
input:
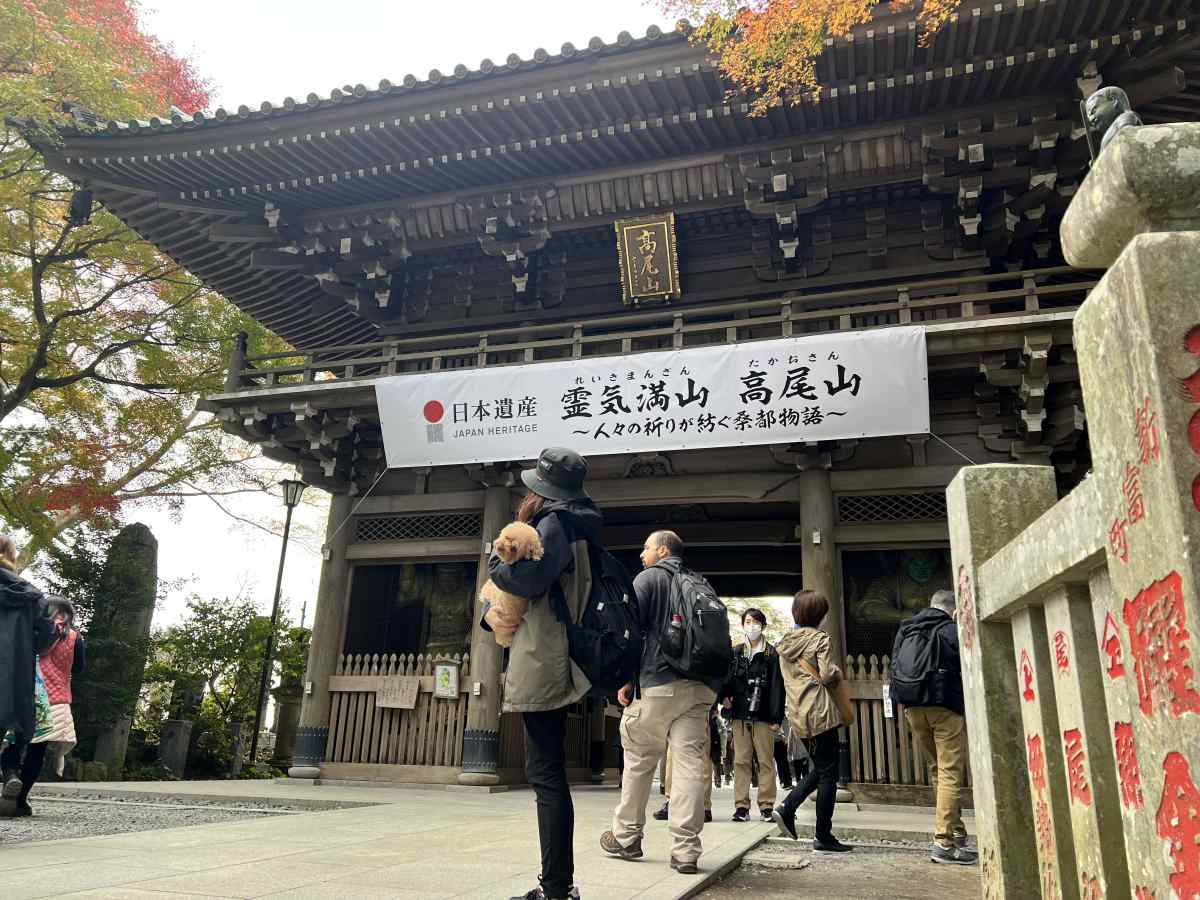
column 946, row 443
column 350, row 515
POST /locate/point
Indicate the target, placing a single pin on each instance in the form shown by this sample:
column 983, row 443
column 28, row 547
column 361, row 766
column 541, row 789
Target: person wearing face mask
column 755, row 698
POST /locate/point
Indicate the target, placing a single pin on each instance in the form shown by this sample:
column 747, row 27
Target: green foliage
column 105, row 344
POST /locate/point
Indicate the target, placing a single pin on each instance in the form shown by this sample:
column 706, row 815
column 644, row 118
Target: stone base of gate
column 385, row 775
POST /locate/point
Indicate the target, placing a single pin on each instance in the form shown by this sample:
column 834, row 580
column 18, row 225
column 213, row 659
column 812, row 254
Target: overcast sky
column 255, row 50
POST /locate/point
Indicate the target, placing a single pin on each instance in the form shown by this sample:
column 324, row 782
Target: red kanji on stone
column 1027, row 677
column 1076, row 766
column 1118, row 541
column 1062, row 657
column 1037, row 763
column 966, row 608
column 1110, row 646
column 1146, row 426
column 1158, row 641
column 1143, row 893
column 1090, row 888
column 1178, row 822
column 1044, row 829
column 1128, row 771
column 1135, row 504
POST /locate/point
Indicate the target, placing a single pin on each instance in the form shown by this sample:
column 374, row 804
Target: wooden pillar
column 333, row 593
column 481, row 739
column 818, row 553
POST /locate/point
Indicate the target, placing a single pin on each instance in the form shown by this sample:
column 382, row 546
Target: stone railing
column 1079, row 618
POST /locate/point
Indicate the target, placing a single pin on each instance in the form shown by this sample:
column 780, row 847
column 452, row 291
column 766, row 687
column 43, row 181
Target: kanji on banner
column 813, row 388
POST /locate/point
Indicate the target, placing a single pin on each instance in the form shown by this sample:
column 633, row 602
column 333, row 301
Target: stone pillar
column 111, row 744
column 818, row 553
column 287, row 718
column 333, row 593
column 241, row 743
column 173, row 745
column 481, row 739
column 1138, row 343
column 988, row 506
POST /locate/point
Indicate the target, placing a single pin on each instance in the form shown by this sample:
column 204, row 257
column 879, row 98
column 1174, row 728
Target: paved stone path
column 410, row 843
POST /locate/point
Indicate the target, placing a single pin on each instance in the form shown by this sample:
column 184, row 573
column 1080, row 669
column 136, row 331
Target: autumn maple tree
column 769, row 48
column 105, row 344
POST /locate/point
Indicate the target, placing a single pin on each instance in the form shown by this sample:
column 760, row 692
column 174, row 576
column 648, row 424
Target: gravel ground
column 95, row 813
column 871, row 872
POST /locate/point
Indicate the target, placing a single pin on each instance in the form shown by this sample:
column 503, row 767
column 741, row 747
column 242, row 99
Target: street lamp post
column 291, row 496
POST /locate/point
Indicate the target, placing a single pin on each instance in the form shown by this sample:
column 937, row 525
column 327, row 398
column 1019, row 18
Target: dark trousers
column 822, row 778
column 546, row 769
column 30, row 767
column 782, row 766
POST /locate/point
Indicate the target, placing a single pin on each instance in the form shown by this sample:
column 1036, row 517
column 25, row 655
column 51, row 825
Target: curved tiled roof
column 350, row 94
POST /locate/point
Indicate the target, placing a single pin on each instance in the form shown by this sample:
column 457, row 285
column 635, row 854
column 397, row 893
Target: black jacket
column 934, row 624
column 25, row 630
column 764, row 667
column 559, row 525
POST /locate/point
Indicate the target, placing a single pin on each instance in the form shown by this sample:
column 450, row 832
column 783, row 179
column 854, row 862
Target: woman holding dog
column 542, row 681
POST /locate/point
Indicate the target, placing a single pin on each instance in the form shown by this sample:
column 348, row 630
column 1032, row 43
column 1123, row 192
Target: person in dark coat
column 25, row 631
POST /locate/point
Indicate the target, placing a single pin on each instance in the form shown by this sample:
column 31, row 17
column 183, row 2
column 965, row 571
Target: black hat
column 558, row 475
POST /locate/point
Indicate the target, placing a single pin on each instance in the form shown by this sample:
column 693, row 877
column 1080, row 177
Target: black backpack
column 606, row 643
column 918, row 678
column 693, row 635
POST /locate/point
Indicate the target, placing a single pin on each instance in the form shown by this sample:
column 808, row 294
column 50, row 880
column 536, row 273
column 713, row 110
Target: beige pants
column 752, row 739
column 942, row 735
column 676, row 712
column 708, row 777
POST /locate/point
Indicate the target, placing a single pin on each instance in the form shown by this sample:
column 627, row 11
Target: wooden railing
column 973, row 297
column 883, row 750
column 431, row 734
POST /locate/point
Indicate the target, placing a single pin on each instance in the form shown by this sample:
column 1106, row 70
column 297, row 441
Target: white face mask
column 753, row 632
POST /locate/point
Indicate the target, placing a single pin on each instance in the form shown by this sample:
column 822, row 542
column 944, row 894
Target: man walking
column 675, row 693
column 755, row 696
column 927, row 679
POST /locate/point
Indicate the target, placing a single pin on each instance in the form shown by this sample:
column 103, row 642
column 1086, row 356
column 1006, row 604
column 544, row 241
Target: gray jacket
column 541, row 675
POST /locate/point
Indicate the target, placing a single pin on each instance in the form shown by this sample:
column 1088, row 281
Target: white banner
column 811, row 388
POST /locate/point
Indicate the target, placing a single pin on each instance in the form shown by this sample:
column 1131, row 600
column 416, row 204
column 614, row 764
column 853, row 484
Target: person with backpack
column 809, row 676
column 685, row 657
column 754, row 694
column 543, row 678
column 927, row 679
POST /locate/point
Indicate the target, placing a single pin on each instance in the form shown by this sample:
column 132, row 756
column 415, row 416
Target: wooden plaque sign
column 398, row 692
column 649, row 258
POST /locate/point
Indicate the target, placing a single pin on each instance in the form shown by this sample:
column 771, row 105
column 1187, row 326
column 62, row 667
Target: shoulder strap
column 810, row 669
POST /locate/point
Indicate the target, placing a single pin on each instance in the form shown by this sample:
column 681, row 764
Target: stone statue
column 1108, row 111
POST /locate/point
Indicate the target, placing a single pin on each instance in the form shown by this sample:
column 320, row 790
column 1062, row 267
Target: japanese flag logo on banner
column 812, row 388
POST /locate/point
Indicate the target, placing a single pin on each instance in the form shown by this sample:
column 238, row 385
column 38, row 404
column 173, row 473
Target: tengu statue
column 1108, row 111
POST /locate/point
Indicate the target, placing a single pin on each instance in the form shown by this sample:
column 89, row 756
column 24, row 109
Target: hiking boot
column 831, row 845
column 953, row 856
column 766, row 812
column 741, row 815
column 662, row 812
column 538, row 894
column 610, row 845
column 962, row 841
column 787, row 823
column 708, row 815
column 684, row 868
column 9, row 796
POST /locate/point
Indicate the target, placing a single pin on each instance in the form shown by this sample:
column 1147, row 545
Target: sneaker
column 538, row 894
column 741, row 815
column 12, row 788
column 953, row 856
column 663, row 812
column 708, row 815
column 684, row 868
column 23, row 809
column 786, row 822
column 766, row 813
column 610, row 845
column 831, row 845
